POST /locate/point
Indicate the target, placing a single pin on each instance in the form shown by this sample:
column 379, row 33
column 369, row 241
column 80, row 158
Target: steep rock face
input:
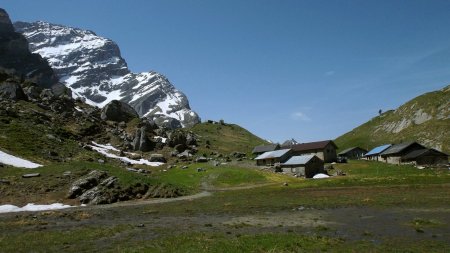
column 17, row 59
column 93, row 68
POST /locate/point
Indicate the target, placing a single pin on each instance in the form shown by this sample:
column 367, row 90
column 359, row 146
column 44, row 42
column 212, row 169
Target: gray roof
column 299, row 160
column 397, row 148
column 273, row 154
column 378, row 150
column 350, row 149
column 427, row 151
column 265, row 148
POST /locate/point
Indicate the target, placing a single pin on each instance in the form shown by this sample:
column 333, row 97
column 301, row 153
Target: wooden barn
column 353, row 153
column 395, row 153
column 304, row 165
column 427, row 157
column 273, row 157
column 325, row 150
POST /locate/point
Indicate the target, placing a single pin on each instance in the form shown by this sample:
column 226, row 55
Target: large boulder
column 118, row 111
column 11, row 91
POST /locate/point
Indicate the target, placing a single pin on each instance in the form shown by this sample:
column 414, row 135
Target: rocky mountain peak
column 5, row 22
column 93, row 68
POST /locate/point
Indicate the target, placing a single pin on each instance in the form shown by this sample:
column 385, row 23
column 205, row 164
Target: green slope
column 225, row 139
column 425, row 119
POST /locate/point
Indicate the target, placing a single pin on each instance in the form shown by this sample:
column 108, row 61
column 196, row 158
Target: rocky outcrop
column 85, row 183
column 118, row 111
column 94, row 69
column 141, row 141
column 98, row 188
column 12, row 91
column 16, row 58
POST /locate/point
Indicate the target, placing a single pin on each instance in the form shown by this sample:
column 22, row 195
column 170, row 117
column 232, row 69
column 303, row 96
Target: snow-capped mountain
column 94, row 69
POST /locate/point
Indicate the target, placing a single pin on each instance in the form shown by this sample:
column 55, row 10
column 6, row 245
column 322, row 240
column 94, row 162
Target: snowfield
column 32, row 207
column 16, row 161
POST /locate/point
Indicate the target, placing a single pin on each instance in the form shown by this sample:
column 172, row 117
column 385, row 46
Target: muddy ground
column 351, row 223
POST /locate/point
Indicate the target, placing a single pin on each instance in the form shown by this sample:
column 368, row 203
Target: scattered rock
column 201, row 159
column 191, row 139
column 184, row 167
column 85, row 183
column 176, row 137
column 98, row 195
column 236, row 154
column 47, row 94
column 338, row 173
column 201, row 169
column 141, row 141
column 157, row 158
column 185, row 154
column 11, row 91
column 4, row 181
column 285, row 184
column 109, row 182
column 180, row 148
column 132, row 169
column 31, row 175
column 32, row 92
column 101, row 161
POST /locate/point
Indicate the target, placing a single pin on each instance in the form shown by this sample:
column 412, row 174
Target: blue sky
column 309, row 70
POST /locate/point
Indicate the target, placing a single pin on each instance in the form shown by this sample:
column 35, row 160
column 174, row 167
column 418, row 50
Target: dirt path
column 207, row 191
column 153, row 201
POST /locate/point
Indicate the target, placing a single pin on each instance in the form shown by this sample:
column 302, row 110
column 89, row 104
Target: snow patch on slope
column 32, row 207
column 17, row 162
column 106, row 151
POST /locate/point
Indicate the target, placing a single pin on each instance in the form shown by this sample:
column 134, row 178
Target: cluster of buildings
column 307, row 159
column 302, row 159
column 407, row 153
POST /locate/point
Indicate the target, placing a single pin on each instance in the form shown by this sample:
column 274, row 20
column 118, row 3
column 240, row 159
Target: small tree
column 380, row 111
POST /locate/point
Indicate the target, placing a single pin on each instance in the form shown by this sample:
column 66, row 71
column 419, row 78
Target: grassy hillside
column 226, row 138
column 425, row 119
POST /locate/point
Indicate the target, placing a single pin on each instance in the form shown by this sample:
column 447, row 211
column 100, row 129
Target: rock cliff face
column 16, row 58
column 94, row 69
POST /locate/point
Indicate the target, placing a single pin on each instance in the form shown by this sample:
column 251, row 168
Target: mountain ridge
column 94, row 69
column 425, row 118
